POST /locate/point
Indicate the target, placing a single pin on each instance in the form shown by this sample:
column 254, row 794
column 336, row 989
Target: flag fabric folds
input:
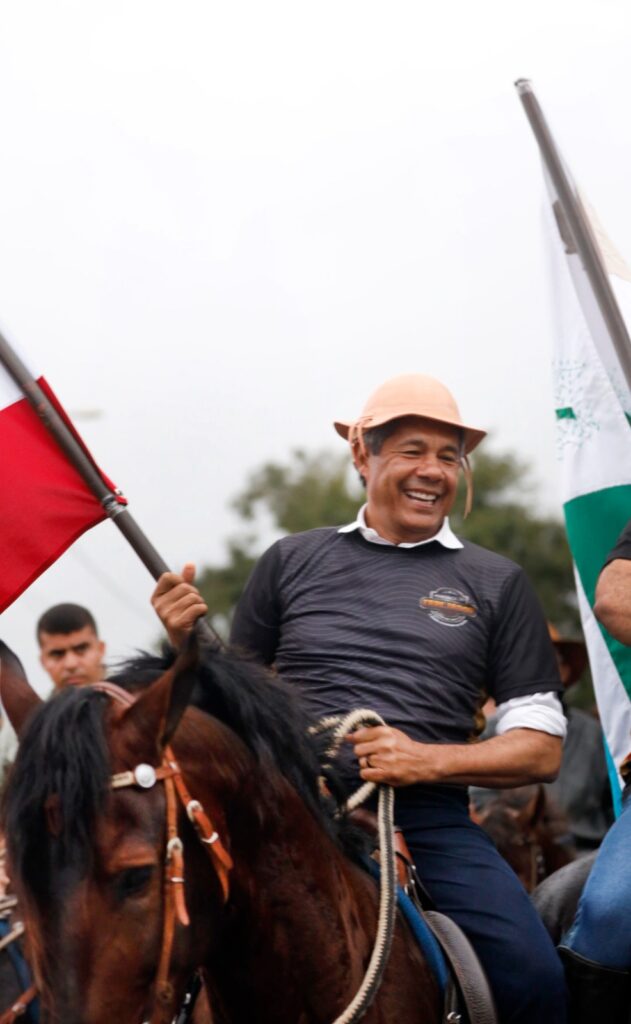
column 593, row 440
column 44, row 503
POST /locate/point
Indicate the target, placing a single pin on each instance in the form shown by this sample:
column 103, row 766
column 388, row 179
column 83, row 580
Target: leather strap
column 472, row 981
column 122, row 779
column 174, row 903
column 19, row 1007
column 205, row 829
column 169, row 773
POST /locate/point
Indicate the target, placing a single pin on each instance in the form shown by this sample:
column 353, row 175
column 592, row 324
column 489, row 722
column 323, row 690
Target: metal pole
column 579, row 226
column 75, row 454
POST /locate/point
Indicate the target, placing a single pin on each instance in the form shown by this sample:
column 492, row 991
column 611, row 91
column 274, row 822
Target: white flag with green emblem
column 593, row 417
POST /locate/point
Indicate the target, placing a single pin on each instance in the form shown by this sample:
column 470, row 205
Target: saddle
column 468, row 997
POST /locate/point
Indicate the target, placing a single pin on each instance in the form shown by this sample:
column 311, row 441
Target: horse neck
column 308, row 917
column 301, row 917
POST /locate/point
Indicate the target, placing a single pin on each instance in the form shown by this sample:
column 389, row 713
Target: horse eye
column 132, row 881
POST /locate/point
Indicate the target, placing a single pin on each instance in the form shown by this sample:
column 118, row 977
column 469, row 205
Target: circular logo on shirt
column 449, row 607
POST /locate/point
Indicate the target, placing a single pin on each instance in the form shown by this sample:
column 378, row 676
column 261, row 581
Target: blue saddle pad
column 426, row 939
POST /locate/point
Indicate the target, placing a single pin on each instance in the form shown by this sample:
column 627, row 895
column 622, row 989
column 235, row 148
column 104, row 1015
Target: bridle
column 537, row 861
column 169, row 772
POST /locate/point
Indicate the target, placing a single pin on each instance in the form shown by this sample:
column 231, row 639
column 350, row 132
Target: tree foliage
column 320, row 489
column 310, row 490
column 505, row 519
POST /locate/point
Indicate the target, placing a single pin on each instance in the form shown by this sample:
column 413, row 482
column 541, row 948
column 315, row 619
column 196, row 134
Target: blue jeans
column 601, row 931
column 469, row 881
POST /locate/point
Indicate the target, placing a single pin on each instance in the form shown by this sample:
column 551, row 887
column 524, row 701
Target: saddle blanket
column 424, row 936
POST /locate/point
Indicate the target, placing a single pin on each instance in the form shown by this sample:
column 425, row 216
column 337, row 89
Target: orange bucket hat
column 413, row 394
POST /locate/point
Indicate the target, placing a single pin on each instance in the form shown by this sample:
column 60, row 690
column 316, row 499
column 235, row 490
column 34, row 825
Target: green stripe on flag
column 594, row 522
column 614, row 780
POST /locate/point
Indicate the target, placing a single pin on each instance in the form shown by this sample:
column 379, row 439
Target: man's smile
column 425, row 499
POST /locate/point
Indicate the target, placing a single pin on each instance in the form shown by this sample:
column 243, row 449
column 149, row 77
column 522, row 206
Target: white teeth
column 422, row 495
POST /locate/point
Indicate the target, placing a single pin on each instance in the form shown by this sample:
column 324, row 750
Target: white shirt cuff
column 541, row 711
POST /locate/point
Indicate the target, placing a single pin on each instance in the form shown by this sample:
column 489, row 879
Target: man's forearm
column 519, row 757
column 516, row 758
column 612, row 607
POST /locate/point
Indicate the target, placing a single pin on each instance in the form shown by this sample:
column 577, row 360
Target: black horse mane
column 57, row 784
column 261, row 708
column 61, row 774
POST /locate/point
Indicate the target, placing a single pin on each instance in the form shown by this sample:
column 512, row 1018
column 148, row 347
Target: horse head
column 88, row 856
column 528, row 830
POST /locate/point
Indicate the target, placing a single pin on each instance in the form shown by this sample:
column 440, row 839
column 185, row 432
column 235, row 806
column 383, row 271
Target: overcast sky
column 224, row 224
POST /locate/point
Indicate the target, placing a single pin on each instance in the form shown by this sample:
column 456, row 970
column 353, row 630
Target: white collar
column 445, row 535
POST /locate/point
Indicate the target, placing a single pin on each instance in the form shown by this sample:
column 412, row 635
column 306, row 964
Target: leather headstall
column 145, row 776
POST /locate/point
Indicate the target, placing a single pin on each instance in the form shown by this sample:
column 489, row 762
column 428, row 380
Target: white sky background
column 225, row 224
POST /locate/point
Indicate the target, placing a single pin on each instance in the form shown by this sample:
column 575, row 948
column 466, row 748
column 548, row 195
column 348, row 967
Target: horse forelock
column 56, row 787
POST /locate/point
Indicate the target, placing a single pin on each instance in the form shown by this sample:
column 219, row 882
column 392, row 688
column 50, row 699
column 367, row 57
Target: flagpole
column 75, row 454
column 579, row 227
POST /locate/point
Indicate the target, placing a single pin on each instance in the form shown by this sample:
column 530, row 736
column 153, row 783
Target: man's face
column 411, row 483
column 72, row 658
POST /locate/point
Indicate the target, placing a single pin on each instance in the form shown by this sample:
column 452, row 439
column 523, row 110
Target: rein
column 369, row 987
column 145, row 776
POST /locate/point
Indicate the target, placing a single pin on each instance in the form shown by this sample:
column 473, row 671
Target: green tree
column 505, row 519
column 321, row 489
column 317, row 489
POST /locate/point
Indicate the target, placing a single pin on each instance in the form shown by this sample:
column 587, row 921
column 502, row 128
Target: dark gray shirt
column 420, row 635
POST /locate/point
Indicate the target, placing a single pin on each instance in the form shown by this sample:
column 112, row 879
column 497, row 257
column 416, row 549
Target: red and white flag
column 44, row 503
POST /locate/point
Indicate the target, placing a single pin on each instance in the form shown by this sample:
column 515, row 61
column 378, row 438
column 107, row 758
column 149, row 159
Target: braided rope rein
column 369, row 987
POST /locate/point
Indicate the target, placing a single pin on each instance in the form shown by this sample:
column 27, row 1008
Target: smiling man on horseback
column 395, row 613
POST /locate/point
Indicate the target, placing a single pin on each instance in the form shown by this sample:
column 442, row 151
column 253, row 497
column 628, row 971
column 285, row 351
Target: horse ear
column 476, row 813
column 531, row 814
column 158, row 710
column 18, row 696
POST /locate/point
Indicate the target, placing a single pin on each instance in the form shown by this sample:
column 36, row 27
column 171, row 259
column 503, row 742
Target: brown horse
column 528, row 829
column 282, row 917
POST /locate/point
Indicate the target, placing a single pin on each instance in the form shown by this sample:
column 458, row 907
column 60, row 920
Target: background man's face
column 411, row 483
column 72, row 658
column 565, row 669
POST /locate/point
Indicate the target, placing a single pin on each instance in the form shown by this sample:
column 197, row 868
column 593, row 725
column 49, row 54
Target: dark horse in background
column 291, row 942
column 529, row 829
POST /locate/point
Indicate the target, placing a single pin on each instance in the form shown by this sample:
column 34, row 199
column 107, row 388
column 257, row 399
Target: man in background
column 71, row 651
column 581, row 790
column 582, row 786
